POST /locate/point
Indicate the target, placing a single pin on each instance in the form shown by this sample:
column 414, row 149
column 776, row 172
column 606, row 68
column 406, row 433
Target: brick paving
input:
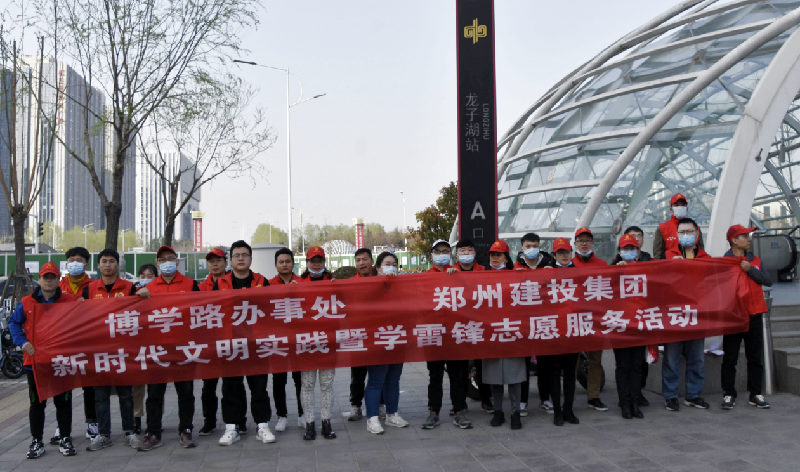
column 744, row 439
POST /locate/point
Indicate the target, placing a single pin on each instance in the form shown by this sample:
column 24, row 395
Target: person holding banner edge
column 170, row 281
column 561, row 368
column 739, row 239
column 48, row 291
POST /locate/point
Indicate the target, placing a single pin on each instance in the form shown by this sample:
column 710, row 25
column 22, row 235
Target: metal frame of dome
column 699, row 100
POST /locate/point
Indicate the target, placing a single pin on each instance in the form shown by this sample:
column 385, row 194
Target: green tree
column 435, row 222
column 262, row 235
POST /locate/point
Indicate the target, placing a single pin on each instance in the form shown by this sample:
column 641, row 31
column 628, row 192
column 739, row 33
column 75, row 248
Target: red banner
column 383, row 320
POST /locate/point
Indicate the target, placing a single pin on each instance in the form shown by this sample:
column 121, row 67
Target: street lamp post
column 84, row 234
column 288, row 132
column 123, row 239
column 405, row 240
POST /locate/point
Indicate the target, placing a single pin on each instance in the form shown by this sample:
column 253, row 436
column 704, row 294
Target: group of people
column 378, row 386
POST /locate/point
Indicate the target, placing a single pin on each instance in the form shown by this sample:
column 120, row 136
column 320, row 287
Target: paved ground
column 692, row 440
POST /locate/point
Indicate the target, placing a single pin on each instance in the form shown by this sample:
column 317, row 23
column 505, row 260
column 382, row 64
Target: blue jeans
column 383, row 379
column 670, row 368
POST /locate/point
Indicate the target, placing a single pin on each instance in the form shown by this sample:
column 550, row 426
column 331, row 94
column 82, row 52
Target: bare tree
column 27, row 149
column 206, row 132
column 141, row 54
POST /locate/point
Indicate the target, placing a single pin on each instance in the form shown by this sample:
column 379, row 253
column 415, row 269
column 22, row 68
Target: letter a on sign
column 477, row 212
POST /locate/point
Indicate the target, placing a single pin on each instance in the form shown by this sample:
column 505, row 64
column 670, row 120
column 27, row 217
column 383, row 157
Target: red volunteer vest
column 121, row 288
column 66, row 291
column 180, row 283
column 277, row 280
column 226, row 282
column 29, row 306
column 593, row 261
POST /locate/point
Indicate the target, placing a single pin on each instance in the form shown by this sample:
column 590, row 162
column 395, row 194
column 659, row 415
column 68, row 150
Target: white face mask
column 584, row 254
column 316, row 273
column 500, row 267
column 466, row 258
column 680, row 211
column 386, row 270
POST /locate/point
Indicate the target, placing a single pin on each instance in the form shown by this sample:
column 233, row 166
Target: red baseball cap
column 49, row 268
column 216, row 252
column 737, row 230
column 499, row 246
column 562, row 244
column 676, row 198
column 165, row 249
column 584, row 231
column 628, row 240
column 315, row 251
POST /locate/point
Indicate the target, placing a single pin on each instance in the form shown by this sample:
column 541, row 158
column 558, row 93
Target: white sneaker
column 396, row 421
column 301, row 422
column 523, row 409
column 92, row 430
column 281, row 424
column 374, row 425
column 132, row 440
column 547, row 407
column 264, row 434
column 231, row 435
column 382, row 412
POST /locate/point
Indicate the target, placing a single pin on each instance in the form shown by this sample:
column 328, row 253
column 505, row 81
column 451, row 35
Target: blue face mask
column 680, row 211
column 168, row 268
column 628, row 254
column 531, row 253
column 584, row 254
column 686, row 240
column 143, row 282
column 316, row 273
column 466, row 258
column 441, row 259
column 75, row 268
column 386, row 270
column 500, row 267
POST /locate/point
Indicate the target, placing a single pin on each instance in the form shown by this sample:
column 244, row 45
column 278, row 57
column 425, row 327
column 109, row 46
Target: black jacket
column 761, row 277
column 546, row 260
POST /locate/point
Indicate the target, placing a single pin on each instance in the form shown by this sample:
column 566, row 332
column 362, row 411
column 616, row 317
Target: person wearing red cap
column 47, row 292
column 584, row 256
column 561, row 368
column 72, row 286
column 110, row 285
column 688, row 249
column 217, row 262
column 629, row 359
column 509, row 371
column 241, row 277
column 641, row 256
column 284, row 263
column 457, row 370
column 666, row 237
column 739, row 239
column 170, row 281
column 316, row 272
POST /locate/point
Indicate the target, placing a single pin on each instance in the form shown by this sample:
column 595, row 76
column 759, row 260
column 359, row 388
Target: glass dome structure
column 702, row 100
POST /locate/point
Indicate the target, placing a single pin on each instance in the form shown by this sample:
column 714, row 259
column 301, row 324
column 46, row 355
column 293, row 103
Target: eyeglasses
column 240, row 256
column 161, row 260
column 439, row 253
column 583, row 241
column 690, row 232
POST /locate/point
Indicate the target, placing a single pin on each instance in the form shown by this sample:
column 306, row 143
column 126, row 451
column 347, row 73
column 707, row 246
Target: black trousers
column 358, row 377
column 753, row 350
column 526, row 385
column 88, row 405
column 209, row 402
column 543, row 379
column 457, row 371
column 558, row 366
column 63, row 403
column 154, row 406
column 233, row 405
column 629, row 372
column 484, row 389
column 279, row 382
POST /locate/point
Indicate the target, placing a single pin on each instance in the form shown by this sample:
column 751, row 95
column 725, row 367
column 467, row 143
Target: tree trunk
column 169, row 230
column 113, row 211
column 19, row 241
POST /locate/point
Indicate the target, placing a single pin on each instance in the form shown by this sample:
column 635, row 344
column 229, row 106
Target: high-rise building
column 151, row 211
column 77, row 110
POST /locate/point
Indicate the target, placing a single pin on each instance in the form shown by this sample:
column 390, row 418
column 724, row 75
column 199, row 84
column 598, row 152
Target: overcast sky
column 388, row 121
